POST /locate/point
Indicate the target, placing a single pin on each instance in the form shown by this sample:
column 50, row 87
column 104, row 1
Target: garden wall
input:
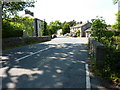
column 15, row 41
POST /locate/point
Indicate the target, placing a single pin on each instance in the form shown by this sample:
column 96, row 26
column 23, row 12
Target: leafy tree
column 11, row 29
column 117, row 23
column 27, row 21
column 115, row 1
column 98, row 27
column 66, row 28
column 54, row 26
column 109, row 25
column 16, row 26
column 72, row 23
column 11, row 8
column 101, row 34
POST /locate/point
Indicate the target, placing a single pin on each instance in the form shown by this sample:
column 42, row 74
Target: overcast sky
column 79, row 10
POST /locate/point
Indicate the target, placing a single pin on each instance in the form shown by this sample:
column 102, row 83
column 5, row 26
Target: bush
column 111, row 40
column 77, row 33
column 14, row 27
column 117, row 33
column 116, row 42
column 11, row 29
column 67, row 34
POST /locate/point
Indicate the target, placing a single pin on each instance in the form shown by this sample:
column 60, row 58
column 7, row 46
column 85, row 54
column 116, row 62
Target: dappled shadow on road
column 19, row 52
column 61, row 66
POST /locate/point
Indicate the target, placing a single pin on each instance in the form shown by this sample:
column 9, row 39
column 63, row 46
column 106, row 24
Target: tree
column 16, row 26
column 54, row 26
column 100, row 32
column 66, row 28
column 11, row 8
column 115, row 1
column 98, row 27
column 117, row 23
column 72, row 23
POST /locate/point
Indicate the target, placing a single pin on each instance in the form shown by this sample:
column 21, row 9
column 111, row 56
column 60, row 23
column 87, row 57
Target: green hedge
column 11, row 29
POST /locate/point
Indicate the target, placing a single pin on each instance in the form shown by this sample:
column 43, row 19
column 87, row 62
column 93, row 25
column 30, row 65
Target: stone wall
column 11, row 42
column 98, row 51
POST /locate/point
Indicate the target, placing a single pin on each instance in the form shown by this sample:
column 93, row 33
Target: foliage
column 16, row 26
column 117, row 33
column 116, row 25
column 65, row 28
column 11, row 8
column 116, row 43
column 115, row 1
column 45, row 29
column 11, row 29
column 67, row 34
column 54, row 26
column 77, row 33
column 98, row 28
column 102, row 35
column 72, row 23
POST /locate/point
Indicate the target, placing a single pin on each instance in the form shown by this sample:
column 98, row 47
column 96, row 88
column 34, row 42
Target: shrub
column 11, row 29
column 117, row 33
column 116, row 42
column 77, row 33
column 14, row 27
column 112, row 41
column 67, row 34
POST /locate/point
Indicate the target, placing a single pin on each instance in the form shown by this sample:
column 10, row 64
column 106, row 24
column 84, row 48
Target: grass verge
column 22, row 45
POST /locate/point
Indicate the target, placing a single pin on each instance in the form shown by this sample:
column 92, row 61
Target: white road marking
column 88, row 85
column 32, row 54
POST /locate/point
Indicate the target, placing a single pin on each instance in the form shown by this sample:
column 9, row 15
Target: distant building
column 37, row 25
column 111, row 29
column 82, row 27
column 59, row 32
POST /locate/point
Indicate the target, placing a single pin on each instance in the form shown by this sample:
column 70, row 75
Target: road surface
column 59, row 63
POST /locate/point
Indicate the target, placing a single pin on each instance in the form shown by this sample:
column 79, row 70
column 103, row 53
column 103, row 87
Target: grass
column 22, row 45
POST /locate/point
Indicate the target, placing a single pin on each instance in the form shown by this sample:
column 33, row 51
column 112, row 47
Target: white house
column 59, row 32
column 37, row 25
column 82, row 27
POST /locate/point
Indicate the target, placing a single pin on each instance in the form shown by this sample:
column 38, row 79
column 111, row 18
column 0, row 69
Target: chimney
column 29, row 12
column 32, row 14
column 87, row 21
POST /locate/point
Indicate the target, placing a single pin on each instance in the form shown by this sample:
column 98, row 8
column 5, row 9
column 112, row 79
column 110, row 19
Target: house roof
column 88, row 30
column 111, row 29
column 80, row 25
column 27, row 15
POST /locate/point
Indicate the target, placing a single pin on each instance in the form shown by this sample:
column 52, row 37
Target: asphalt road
column 59, row 63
